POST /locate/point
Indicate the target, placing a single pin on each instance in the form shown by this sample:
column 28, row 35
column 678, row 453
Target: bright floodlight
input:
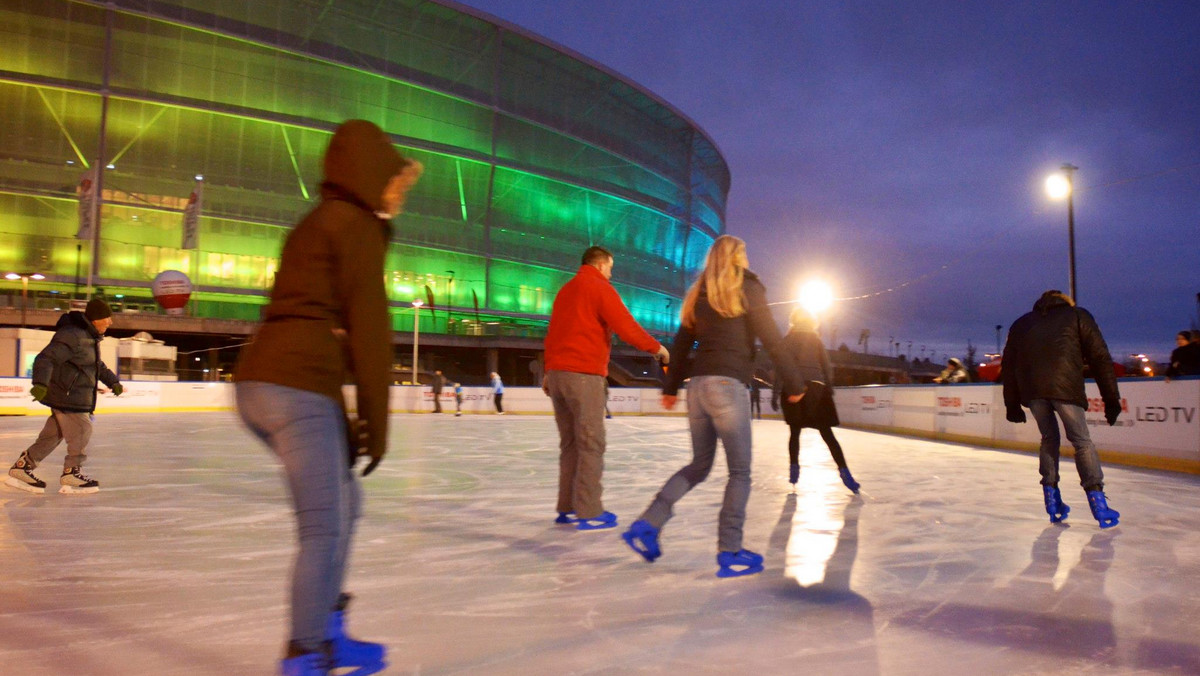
column 417, row 302
column 1058, row 186
column 816, row 296
column 12, row 275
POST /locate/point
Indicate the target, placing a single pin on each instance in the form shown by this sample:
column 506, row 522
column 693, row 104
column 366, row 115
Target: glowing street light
column 1059, row 186
column 417, row 303
column 815, row 296
column 24, row 277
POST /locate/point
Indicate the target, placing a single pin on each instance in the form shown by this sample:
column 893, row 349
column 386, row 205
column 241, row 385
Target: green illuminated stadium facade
column 531, row 153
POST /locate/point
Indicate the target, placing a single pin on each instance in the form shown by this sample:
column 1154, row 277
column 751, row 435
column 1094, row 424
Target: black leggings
column 835, row 449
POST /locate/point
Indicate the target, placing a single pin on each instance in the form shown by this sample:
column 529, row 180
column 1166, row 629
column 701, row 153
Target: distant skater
column 817, row 410
column 458, row 397
column 1044, row 358
column 723, row 314
column 327, row 324
column 498, row 393
column 65, row 374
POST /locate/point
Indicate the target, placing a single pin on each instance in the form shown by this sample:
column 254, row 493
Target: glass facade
column 531, row 154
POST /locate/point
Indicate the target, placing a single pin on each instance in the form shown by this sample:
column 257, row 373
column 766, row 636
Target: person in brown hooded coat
column 327, row 324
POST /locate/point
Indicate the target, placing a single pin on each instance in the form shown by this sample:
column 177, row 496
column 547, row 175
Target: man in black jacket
column 1044, row 358
column 65, row 374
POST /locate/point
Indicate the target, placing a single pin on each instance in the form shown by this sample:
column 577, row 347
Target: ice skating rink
column 946, row 564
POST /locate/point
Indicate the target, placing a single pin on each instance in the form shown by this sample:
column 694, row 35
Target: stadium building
column 117, row 114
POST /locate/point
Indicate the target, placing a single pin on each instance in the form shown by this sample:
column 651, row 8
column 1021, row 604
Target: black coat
column 810, row 358
column 70, row 365
column 1046, row 352
column 1185, row 361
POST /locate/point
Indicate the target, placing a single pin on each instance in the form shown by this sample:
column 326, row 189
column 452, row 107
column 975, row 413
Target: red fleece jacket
column 587, row 311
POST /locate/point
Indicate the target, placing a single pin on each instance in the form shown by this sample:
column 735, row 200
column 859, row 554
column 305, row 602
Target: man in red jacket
column 587, row 311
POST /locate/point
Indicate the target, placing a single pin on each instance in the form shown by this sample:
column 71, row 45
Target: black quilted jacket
column 1046, row 353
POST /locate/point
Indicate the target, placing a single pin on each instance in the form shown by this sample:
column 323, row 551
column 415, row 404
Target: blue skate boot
column 848, row 480
column 1055, row 507
column 746, row 562
column 643, row 539
column 793, row 474
column 566, row 517
column 347, row 652
column 301, row 662
column 604, row 520
column 1099, row 504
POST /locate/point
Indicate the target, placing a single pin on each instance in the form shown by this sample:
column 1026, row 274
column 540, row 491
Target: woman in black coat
column 816, row 409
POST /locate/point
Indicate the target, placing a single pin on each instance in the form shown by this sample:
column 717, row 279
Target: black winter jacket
column 1046, row 352
column 70, row 365
column 724, row 346
column 812, row 361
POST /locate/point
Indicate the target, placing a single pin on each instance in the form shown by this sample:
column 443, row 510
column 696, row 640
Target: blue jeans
column 718, row 408
column 308, row 432
column 1087, row 461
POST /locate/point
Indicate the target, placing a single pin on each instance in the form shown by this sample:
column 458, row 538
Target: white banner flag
column 86, row 192
column 191, row 217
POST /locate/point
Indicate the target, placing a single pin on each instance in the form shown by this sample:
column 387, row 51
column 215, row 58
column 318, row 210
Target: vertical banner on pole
column 191, row 216
column 86, row 193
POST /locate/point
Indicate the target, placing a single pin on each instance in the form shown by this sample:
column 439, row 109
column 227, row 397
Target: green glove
column 117, row 389
column 38, row 392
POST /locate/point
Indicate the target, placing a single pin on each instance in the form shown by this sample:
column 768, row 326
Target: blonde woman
column 723, row 314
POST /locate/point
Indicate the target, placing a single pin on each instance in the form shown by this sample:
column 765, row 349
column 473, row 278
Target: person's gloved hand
column 38, row 392
column 1014, row 414
column 1112, row 409
column 117, row 389
column 664, row 355
column 359, row 440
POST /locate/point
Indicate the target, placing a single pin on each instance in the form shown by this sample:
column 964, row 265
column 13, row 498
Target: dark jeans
column 1087, row 461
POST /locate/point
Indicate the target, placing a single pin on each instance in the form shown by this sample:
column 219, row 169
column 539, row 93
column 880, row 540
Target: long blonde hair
column 724, row 271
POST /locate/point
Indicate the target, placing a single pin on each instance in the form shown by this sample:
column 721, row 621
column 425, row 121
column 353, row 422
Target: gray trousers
column 76, row 428
column 578, row 400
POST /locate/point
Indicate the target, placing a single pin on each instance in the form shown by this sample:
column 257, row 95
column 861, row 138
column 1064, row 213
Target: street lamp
column 417, row 303
column 1059, row 186
column 24, row 277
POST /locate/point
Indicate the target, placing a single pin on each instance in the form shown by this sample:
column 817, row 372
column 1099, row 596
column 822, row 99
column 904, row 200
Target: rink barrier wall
column 1159, row 426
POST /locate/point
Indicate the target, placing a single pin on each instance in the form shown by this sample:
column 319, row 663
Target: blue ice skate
column 1055, row 507
column 643, row 539
column 347, row 652
column 848, row 480
column 1100, row 509
column 299, row 663
column 605, row 520
column 746, row 562
column 566, row 517
column 793, row 474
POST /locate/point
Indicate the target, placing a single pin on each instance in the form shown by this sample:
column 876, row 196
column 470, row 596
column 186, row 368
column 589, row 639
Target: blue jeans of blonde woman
column 307, row 431
column 718, row 409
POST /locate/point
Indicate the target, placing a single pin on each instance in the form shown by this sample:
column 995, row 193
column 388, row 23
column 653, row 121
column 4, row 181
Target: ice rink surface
column 946, row 563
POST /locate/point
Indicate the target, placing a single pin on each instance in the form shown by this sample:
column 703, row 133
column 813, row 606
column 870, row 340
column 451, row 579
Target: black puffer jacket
column 1047, row 350
column 70, row 365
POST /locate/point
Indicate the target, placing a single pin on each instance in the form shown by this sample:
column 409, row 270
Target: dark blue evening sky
column 904, row 145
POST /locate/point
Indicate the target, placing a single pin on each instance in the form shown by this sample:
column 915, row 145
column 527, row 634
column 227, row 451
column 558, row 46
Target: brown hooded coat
column 330, row 280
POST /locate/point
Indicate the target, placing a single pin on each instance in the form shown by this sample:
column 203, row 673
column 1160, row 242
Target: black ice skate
column 21, row 476
column 73, row 481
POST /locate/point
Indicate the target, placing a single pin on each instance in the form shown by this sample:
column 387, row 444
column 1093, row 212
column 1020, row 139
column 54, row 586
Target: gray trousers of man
column 76, row 428
column 579, row 400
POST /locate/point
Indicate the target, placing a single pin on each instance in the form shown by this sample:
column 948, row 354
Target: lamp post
column 1059, row 186
column 417, row 303
column 24, row 277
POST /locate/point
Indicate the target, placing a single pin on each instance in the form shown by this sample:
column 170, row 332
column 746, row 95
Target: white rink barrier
column 1159, row 426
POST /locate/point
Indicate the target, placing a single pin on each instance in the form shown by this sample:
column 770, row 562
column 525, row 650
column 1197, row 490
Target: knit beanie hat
column 97, row 309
